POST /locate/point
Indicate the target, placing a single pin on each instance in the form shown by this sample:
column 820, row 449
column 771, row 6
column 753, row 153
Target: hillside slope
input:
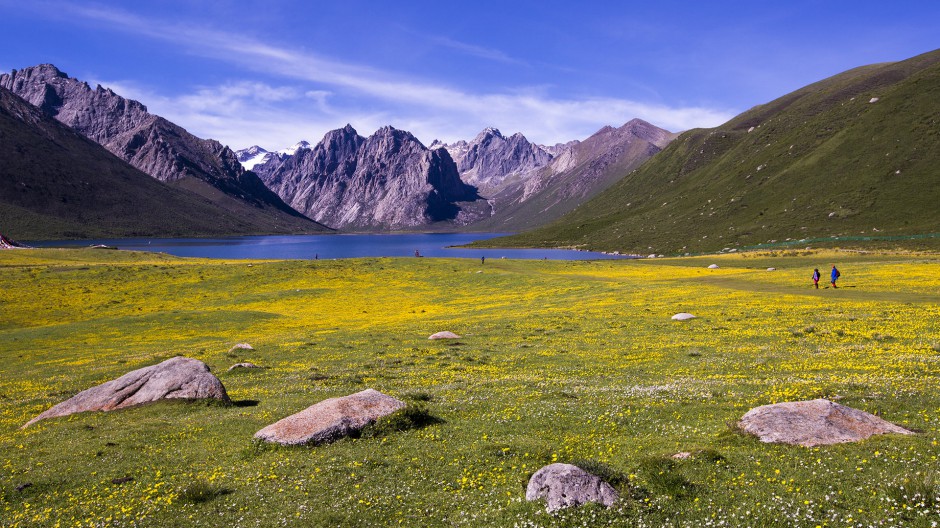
column 56, row 183
column 854, row 155
column 157, row 147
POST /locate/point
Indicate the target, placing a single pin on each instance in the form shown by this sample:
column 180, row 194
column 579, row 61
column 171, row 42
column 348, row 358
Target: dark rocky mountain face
column 57, row 183
column 150, row 143
column 387, row 181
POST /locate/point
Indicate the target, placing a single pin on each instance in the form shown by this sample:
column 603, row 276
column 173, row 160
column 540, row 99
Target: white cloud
column 237, row 112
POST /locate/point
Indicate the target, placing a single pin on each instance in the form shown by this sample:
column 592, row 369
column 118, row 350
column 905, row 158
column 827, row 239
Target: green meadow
column 568, row 361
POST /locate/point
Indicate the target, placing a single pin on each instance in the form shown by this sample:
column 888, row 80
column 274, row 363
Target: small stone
column 682, row 455
column 713, row 266
column 682, row 316
column 241, row 346
column 331, row 419
column 245, row 365
column 444, row 335
column 565, row 485
column 771, row 269
column 813, row 423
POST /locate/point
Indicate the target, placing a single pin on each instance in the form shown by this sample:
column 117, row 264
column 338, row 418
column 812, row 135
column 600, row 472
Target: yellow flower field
column 573, row 361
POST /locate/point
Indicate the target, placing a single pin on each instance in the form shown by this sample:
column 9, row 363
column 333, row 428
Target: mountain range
column 157, row 147
column 851, row 157
column 57, row 183
column 392, row 181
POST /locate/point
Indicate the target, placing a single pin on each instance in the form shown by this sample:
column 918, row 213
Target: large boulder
column 331, row 419
column 565, row 485
column 175, row 378
column 812, row 423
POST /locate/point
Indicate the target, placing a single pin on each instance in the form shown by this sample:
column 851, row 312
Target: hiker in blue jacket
column 835, row 275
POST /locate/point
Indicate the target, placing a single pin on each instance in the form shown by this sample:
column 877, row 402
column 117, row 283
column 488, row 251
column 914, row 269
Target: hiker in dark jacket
column 816, row 276
column 835, row 275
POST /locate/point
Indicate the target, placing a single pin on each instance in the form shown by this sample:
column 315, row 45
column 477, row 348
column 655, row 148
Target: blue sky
column 272, row 73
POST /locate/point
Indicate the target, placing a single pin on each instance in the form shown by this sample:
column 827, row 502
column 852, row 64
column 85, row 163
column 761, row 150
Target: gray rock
column 812, row 423
column 565, row 485
column 241, row 346
column 175, row 378
column 682, row 316
column 245, row 365
column 331, row 419
column 444, row 335
column 713, row 266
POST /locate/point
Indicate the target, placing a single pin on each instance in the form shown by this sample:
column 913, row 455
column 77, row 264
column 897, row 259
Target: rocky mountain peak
column 490, row 158
column 486, row 134
column 249, row 152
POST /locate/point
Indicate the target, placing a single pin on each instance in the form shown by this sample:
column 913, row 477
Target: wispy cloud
column 476, row 51
column 434, row 110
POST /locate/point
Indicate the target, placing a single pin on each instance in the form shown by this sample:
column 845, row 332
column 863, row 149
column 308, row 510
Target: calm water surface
column 329, row 247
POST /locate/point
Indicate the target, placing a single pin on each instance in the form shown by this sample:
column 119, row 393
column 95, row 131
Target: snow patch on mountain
column 255, row 155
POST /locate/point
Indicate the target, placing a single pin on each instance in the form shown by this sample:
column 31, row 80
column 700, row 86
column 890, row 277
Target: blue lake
column 330, row 247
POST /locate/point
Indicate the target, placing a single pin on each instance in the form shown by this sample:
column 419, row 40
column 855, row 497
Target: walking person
column 483, row 260
column 816, row 277
column 834, row 276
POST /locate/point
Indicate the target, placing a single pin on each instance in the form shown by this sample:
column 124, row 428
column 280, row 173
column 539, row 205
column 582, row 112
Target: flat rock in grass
column 682, row 316
column 175, row 378
column 444, row 335
column 331, row 419
column 771, row 269
column 814, row 422
column 245, row 365
column 241, row 346
column 565, row 485
column 713, row 266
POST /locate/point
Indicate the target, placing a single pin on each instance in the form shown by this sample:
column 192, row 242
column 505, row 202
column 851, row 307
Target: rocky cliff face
column 150, row 143
column 387, row 181
column 488, row 160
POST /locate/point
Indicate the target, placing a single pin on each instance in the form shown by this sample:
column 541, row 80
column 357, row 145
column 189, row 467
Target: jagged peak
column 487, row 132
column 346, row 132
column 392, row 132
column 45, row 70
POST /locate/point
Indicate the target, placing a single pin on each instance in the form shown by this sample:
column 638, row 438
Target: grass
column 573, row 362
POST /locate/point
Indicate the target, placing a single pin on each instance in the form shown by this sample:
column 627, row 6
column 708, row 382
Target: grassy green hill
column 55, row 183
column 853, row 156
